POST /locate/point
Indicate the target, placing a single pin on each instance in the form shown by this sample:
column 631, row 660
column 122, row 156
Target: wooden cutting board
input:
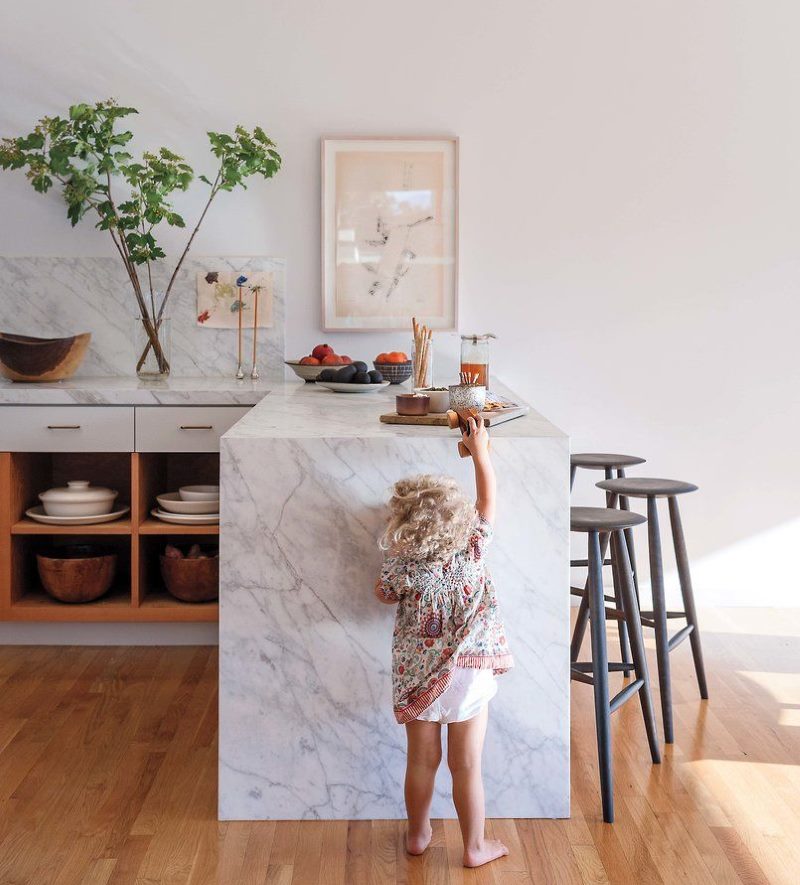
column 439, row 419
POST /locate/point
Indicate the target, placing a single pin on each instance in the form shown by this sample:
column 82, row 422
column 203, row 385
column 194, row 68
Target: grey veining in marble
column 114, row 391
column 51, row 297
column 306, row 725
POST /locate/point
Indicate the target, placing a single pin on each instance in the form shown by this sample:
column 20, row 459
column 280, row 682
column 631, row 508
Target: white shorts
column 465, row 697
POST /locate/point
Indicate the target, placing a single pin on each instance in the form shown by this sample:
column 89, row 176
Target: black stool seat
column 599, row 460
column 602, row 519
column 645, row 487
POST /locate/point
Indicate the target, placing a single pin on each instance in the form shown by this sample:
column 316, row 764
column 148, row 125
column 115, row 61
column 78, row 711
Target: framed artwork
column 389, row 233
column 218, row 300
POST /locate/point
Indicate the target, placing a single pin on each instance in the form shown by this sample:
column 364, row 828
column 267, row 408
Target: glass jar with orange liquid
column 475, row 357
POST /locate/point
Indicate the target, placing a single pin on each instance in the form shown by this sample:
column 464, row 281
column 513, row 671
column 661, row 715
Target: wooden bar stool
column 596, row 521
column 653, row 489
column 607, row 463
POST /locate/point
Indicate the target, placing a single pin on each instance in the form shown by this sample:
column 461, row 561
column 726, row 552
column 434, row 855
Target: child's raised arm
column 477, row 441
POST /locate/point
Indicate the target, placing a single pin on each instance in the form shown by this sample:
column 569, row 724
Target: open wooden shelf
column 138, row 594
column 152, row 526
column 28, row 526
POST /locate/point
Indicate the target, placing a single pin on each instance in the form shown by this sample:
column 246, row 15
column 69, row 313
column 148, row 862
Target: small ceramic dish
column 199, row 493
column 78, row 498
column 412, row 404
column 348, row 387
column 439, row 399
column 173, row 503
column 185, row 518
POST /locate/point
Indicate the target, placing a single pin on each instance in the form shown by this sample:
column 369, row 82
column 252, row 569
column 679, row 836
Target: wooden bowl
column 77, row 573
column 191, row 580
column 23, row 358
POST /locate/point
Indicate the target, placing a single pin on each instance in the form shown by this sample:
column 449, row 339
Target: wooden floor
column 108, row 775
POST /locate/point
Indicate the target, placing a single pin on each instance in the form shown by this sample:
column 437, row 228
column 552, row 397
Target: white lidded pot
column 78, row 498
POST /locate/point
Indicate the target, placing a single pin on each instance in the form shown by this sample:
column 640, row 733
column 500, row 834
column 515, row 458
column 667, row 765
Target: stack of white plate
column 190, row 505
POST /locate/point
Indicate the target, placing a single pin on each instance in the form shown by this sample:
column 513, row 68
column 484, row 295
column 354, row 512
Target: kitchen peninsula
column 306, row 725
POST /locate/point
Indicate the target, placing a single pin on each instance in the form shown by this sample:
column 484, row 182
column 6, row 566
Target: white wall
column 630, row 222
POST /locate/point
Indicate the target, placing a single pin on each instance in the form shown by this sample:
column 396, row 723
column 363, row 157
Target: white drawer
column 66, row 429
column 184, row 428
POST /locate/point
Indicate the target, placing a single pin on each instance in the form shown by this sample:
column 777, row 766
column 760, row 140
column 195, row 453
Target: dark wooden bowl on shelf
column 191, row 580
column 23, row 358
column 77, row 573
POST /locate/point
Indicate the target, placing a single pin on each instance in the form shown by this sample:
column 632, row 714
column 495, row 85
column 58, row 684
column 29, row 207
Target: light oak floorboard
column 108, row 773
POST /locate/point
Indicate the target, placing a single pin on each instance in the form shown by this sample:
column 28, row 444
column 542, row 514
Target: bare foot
column 417, row 843
column 489, row 851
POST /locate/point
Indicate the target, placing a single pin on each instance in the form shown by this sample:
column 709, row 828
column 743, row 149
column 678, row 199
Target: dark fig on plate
column 345, row 374
column 361, row 366
column 327, row 375
column 361, row 378
column 375, row 377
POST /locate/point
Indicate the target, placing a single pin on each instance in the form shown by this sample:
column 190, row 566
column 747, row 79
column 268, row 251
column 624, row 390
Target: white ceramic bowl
column 439, row 399
column 78, row 498
column 199, row 493
column 307, row 373
column 173, row 502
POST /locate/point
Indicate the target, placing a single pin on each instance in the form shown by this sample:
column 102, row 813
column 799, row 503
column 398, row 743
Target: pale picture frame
column 346, row 306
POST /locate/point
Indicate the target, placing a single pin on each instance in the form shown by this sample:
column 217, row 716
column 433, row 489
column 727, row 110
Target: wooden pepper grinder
column 459, row 419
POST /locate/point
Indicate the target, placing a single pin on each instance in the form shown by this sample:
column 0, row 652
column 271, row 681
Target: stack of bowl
column 190, row 505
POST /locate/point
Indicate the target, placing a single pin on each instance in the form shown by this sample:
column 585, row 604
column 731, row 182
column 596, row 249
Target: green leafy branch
column 84, row 152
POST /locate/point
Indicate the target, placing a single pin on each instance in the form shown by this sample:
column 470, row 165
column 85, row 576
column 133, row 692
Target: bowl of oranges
column 395, row 366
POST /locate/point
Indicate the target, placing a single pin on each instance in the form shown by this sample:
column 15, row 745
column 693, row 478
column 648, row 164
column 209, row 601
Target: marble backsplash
column 51, row 297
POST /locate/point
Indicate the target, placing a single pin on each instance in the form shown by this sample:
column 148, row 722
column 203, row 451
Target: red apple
column 344, row 359
column 330, row 360
column 309, row 361
column 321, row 351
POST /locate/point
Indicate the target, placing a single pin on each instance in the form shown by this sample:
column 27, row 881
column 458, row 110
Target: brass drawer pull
column 63, row 426
column 197, row 426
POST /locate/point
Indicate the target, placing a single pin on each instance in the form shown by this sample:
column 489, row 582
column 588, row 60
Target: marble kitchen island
column 306, row 723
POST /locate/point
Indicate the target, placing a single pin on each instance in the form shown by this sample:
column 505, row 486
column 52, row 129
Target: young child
column 449, row 642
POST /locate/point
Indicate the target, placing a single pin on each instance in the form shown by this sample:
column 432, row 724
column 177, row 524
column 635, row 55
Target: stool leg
column 625, row 505
column 622, row 630
column 631, row 607
column 572, row 470
column 685, row 577
column 583, row 609
column 602, row 711
column 660, row 617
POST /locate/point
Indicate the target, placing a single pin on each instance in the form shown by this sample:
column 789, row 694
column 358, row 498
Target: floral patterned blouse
column 447, row 616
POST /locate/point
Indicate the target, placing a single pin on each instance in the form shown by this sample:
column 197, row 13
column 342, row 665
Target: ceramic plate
column 39, row 515
column 342, row 387
column 173, row 502
column 186, row 518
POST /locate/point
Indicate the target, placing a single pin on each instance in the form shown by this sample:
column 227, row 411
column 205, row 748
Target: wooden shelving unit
column 138, row 593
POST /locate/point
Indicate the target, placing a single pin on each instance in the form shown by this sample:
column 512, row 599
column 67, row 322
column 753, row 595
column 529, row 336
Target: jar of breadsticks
column 422, row 358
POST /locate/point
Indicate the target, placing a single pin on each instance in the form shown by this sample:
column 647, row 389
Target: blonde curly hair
column 430, row 518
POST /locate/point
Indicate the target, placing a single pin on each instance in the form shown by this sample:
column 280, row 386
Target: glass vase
column 153, row 347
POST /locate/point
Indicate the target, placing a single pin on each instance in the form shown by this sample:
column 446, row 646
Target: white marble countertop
column 301, row 411
column 130, row 391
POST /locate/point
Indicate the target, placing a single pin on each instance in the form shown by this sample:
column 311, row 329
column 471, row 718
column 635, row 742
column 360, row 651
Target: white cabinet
column 66, row 429
column 184, row 428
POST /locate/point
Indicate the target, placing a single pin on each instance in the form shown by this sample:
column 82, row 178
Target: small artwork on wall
column 219, row 299
column 389, row 232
